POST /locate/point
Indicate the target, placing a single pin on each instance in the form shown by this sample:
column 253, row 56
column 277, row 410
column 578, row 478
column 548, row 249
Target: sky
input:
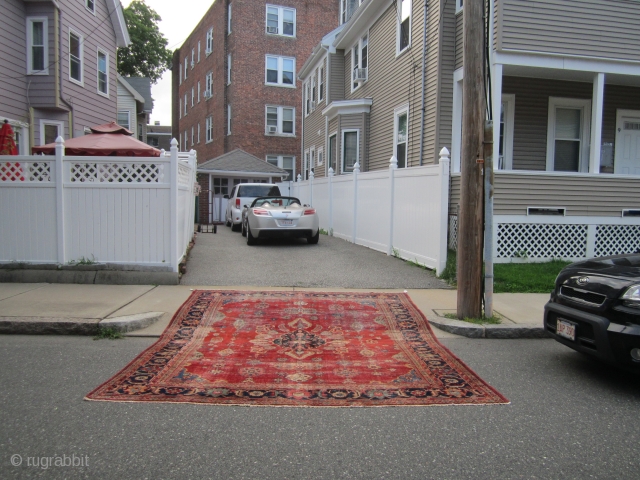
column 179, row 18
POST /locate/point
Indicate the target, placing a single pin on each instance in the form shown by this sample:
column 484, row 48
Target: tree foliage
column 147, row 56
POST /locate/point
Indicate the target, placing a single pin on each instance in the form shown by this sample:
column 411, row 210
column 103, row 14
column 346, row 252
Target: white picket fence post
column 60, row 199
column 311, row 177
column 444, row 210
column 356, row 171
column 331, row 174
column 173, row 172
column 393, row 166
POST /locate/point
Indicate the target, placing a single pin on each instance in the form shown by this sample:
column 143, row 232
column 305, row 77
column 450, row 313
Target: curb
column 75, row 326
column 502, row 331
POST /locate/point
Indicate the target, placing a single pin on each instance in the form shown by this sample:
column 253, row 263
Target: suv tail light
column 310, row 211
column 237, row 203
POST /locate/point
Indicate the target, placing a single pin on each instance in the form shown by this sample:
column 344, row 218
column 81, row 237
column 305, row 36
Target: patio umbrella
column 7, row 142
column 109, row 139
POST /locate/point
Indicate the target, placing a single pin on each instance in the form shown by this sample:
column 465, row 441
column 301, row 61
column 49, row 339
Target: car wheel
column 235, row 227
column 313, row 240
column 251, row 240
column 244, row 230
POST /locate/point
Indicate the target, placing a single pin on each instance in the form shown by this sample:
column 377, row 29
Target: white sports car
column 279, row 217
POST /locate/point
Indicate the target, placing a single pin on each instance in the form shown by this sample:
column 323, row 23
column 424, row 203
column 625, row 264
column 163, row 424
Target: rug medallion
column 298, row 349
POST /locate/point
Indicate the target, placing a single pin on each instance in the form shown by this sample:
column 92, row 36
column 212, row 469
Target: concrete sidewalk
column 141, row 310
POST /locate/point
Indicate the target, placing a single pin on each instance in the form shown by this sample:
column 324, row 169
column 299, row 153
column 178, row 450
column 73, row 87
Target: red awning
column 118, row 143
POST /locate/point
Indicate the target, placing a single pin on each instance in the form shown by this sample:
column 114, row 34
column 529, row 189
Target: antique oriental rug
column 298, row 349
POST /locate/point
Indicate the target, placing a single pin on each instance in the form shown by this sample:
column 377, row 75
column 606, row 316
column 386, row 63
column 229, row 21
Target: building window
column 312, row 159
column 568, row 134
column 400, row 129
column 333, row 152
column 198, row 132
column 199, row 45
column 284, row 162
column 193, row 96
column 229, row 20
column 404, row 25
column 209, row 46
column 307, row 99
column 320, row 156
column 75, row 57
column 186, row 62
column 220, row 186
column 459, row 4
column 280, row 120
column 208, row 86
column 350, row 149
column 193, row 133
column 180, row 108
column 198, row 91
column 185, row 104
column 229, row 69
column 321, row 84
column 37, row 46
column 90, row 6
column 313, row 90
column 154, row 142
column 208, row 128
column 360, row 62
column 305, row 165
column 103, row 73
column 281, row 21
column 505, row 148
column 280, row 70
column 50, row 130
column 229, row 119
column 123, row 119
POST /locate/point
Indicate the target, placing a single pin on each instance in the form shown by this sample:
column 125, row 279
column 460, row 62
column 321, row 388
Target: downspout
column 61, row 83
column 424, row 53
column 326, row 119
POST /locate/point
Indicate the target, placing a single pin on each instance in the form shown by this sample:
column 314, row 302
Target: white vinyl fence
column 401, row 212
column 126, row 210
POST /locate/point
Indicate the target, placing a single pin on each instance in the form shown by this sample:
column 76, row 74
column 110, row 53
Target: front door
column 627, row 159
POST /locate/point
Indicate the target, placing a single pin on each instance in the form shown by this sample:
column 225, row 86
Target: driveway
column 224, row 259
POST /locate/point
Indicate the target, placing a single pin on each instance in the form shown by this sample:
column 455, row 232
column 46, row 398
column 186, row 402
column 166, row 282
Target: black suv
column 595, row 309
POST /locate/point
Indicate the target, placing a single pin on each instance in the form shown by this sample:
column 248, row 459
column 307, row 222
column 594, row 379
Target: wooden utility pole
column 470, row 226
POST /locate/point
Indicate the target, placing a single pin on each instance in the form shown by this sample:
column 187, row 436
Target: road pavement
column 569, row 417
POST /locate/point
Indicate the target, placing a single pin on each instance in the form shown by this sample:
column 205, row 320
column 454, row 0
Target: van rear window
column 258, row 191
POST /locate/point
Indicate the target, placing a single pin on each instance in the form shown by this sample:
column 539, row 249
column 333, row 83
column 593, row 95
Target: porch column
column 456, row 134
column 596, row 123
column 496, row 106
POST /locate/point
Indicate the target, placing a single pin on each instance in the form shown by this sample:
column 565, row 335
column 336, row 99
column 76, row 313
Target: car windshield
column 257, row 190
column 277, row 201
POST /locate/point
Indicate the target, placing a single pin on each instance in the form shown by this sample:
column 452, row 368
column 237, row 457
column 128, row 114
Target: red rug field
column 304, row 349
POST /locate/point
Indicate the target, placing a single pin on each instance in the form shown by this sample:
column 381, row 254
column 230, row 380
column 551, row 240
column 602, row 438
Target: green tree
column 147, row 56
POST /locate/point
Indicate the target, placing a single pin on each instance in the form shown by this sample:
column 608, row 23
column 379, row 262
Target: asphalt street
column 225, row 258
column 569, row 417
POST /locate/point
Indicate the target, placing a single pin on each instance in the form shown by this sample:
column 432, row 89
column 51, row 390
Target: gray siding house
column 59, row 66
column 565, row 97
column 135, row 105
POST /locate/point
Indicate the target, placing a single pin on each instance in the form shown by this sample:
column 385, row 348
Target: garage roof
column 239, row 161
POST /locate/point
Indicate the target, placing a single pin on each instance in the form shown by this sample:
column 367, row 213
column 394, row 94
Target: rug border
column 505, row 400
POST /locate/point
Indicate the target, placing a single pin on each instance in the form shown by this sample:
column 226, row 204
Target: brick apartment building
column 234, row 78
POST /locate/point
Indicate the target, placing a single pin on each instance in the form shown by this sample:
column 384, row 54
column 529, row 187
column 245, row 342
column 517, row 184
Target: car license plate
column 566, row 329
column 286, row 223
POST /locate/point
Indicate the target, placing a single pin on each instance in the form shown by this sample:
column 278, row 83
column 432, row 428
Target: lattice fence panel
column 453, row 232
column 539, row 240
column 11, row 172
column 39, row 171
column 617, row 239
column 117, row 172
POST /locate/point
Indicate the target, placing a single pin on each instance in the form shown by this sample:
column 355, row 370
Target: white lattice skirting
column 562, row 239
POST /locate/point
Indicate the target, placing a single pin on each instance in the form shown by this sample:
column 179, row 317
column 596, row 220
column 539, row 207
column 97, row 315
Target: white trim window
column 505, row 147
column 321, row 83
column 185, row 105
column 209, row 42
column 102, row 72
column 280, row 71
column 347, row 8
column 199, row 91
column 208, row 86
column 400, row 134
column 320, row 156
column 50, row 130
column 360, row 62
column 403, row 37
column 186, row 66
column 229, row 69
column 280, row 120
column 313, row 92
column 285, row 162
column 198, row 132
column 193, row 131
column 350, row 149
column 208, row 128
column 180, row 107
column 312, row 160
column 37, row 46
column 193, row 58
column 281, row 21
column 459, row 5
column 305, row 165
column 193, row 96
column 90, row 5
column 307, row 99
column 229, row 19
column 75, row 57
column 228, row 119
column 124, row 119
column 333, row 152
column 568, row 134
column 199, row 47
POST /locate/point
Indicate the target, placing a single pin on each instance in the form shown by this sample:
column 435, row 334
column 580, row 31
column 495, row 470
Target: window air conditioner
column 193, row 64
column 272, row 129
column 207, row 94
column 272, row 29
column 208, row 51
column 312, row 105
column 359, row 75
